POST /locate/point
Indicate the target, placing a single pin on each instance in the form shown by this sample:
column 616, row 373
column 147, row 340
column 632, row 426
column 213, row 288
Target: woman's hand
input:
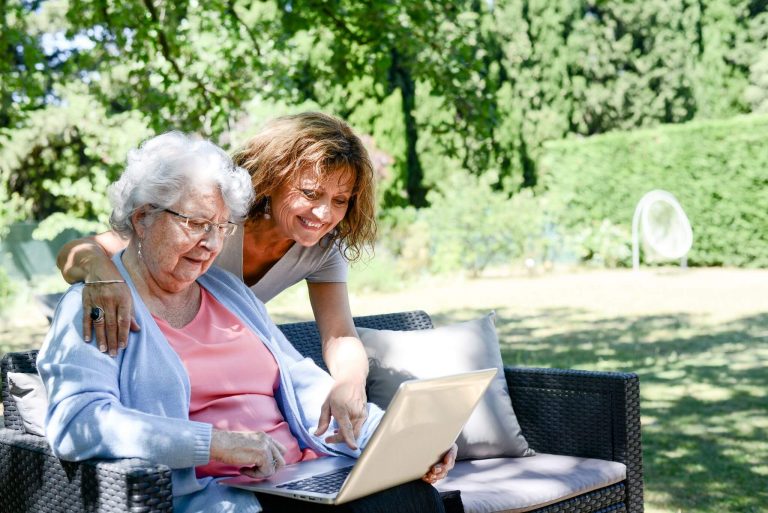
column 115, row 300
column 347, row 404
column 90, row 260
column 257, row 453
column 440, row 470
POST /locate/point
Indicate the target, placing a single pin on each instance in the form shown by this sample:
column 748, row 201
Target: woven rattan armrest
column 582, row 413
column 32, row 479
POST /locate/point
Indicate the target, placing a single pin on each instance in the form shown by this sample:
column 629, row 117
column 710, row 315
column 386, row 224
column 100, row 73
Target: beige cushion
column 492, row 430
column 28, row 393
column 522, row 484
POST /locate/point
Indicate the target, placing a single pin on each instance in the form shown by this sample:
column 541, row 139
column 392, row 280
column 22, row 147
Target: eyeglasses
column 199, row 226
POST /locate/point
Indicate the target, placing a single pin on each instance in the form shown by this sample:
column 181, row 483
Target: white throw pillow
column 28, row 393
column 395, row 356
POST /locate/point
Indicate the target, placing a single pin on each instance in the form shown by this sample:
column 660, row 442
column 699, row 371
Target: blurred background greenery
column 547, row 118
column 515, row 135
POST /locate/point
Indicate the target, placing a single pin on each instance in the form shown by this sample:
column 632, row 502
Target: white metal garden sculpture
column 663, row 227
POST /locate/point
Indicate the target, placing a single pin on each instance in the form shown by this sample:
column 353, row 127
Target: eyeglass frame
column 207, row 225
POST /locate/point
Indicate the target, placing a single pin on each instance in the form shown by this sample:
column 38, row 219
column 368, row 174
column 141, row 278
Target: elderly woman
column 209, row 386
column 313, row 212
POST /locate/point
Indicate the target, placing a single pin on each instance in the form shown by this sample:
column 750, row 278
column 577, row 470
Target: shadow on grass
column 703, row 394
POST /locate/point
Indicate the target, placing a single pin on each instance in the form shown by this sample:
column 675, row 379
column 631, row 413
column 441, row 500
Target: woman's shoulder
column 66, row 321
column 69, row 302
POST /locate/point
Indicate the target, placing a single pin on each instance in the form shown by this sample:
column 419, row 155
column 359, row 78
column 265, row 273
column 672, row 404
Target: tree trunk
column 414, row 175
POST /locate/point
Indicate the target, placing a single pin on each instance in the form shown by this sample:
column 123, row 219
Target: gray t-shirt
column 322, row 263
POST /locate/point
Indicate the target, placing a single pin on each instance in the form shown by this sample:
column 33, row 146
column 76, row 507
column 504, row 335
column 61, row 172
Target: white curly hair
column 162, row 169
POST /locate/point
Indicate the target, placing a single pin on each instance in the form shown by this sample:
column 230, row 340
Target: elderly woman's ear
column 137, row 220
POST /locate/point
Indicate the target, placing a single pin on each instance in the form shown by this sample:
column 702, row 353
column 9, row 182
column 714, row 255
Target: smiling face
column 307, row 209
column 174, row 258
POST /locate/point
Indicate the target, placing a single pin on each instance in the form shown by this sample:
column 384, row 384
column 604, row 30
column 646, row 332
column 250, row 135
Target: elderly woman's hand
column 347, row 404
column 257, row 453
column 440, row 470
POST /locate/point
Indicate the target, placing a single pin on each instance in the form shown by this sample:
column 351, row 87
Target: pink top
column 233, row 377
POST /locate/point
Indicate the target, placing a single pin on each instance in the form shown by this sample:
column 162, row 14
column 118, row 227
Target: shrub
column 604, row 244
column 7, row 288
column 468, row 226
column 718, row 170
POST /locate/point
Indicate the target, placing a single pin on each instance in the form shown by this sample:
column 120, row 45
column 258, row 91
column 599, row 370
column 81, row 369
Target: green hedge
column 718, row 170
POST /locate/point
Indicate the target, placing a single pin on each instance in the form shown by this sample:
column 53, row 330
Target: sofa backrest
column 306, row 339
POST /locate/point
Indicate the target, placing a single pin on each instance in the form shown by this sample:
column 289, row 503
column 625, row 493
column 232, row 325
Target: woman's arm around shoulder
column 90, row 260
column 82, row 259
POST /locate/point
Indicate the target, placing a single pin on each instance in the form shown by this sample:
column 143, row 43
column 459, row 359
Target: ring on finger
column 97, row 314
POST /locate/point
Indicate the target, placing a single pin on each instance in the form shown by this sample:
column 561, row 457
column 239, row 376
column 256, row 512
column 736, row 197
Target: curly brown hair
column 288, row 145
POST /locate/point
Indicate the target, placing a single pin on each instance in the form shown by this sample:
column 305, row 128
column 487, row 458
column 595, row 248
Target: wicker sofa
column 561, row 412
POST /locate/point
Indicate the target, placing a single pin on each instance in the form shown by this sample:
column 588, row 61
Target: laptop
column 424, row 418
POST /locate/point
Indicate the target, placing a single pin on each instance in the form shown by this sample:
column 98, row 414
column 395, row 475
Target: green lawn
column 703, row 396
column 697, row 339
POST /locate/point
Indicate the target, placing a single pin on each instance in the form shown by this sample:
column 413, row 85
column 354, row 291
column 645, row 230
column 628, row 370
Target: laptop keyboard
column 324, row 483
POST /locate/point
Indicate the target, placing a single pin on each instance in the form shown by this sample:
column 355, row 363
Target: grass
column 703, row 397
column 697, row 339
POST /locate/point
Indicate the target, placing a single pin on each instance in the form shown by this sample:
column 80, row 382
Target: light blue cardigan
column 136, row 405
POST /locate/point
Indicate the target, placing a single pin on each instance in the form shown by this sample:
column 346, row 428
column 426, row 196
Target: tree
column 467, row 86
column 195, row 66
column 372, row 49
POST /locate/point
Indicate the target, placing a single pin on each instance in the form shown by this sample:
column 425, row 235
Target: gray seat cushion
column 522, row 484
